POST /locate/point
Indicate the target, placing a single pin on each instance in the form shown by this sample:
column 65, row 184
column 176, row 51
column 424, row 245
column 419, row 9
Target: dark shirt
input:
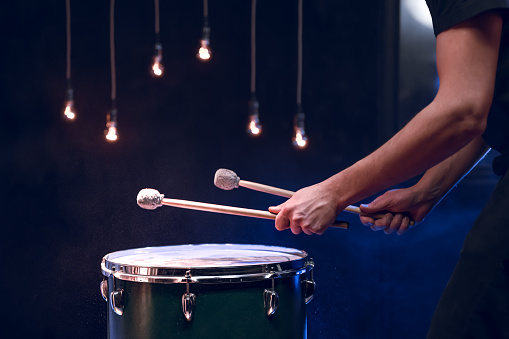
column 447, row 13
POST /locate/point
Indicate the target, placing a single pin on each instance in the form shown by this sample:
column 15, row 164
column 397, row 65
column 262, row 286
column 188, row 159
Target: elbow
column 470, row 116
column 474, row 123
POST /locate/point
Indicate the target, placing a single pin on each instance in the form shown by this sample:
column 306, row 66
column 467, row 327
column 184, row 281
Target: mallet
column 151, row 199
column 227, row 180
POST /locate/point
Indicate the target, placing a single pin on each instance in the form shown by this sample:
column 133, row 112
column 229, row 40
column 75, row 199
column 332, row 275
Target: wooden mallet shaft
column 265, row 188
column 247, row 212
column 288, row 194
column 149, row 198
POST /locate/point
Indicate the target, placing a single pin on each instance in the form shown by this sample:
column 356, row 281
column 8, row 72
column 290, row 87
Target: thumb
column 275, row 209
column 373, row 207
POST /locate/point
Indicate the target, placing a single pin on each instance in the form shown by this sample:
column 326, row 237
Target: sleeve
column 447, row 13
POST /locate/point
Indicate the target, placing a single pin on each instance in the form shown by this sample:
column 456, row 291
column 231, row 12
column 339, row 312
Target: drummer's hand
column 311, row 210
column 403, row 205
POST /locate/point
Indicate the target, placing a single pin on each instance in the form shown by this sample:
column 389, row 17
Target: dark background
column 69, row 196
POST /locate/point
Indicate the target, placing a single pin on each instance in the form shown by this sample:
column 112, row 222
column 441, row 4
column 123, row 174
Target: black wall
column 69, row 196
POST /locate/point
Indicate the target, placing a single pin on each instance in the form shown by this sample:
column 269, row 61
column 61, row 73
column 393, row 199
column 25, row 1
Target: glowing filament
column 111, row 132
column 300, row 139
column 157, row 68
column 254, row 127
column 204, row 51
column 69, row 113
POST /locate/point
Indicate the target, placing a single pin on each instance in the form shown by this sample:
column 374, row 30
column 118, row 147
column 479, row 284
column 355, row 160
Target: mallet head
column 149, row 198
column 226, row 179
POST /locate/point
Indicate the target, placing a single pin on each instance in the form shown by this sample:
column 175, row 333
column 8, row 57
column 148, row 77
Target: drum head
column 206, row 261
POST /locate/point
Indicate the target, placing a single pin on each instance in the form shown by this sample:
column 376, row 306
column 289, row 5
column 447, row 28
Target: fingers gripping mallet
column 151, row 199
column 227, row 180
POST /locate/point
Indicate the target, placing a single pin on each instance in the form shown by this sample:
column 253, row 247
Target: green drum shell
column 229, row 297
column 223, row 310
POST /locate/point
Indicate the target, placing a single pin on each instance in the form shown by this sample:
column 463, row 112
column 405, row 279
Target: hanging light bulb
column 253, row 127
column 68, row 113
column 111, row 125
column 111, row 132
column 157, row 68
column 204, row 51
column 300, row 140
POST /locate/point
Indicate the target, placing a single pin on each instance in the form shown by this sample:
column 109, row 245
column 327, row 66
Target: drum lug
column 270, row 299
column 104, row 289
column 309, row 290
column 309, row 284
column 188, row 303
column 188, row 300
column 117, row 301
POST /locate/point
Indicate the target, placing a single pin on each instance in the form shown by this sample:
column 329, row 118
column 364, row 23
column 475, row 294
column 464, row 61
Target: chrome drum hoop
column 208, row 275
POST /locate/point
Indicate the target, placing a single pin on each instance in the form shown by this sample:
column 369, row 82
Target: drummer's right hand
column 311, row 210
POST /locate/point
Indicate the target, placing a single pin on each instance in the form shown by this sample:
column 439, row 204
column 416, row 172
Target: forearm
column 466, row 62
column 409, row 153
column 441, row 178
column 418, row 201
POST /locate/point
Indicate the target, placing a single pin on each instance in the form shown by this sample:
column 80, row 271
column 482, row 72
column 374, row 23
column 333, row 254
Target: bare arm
column 466, row 60
column 419, row 200
column 440, row 179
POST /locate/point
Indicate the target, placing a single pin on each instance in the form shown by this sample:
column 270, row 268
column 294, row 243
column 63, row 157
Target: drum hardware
column 145, row 281
column 270, row 298
column 188, row 299
column 104, row 288
column 117, row 299
column 309, row 285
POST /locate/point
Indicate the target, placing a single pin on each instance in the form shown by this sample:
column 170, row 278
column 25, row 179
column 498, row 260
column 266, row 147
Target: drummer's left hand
column 311, row 210
column 403, row 205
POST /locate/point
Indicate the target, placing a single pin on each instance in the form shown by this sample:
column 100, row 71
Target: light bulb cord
column 112, row 51
column 299, row 57
column 68, row 30
column 156, row 11
column 253, row 46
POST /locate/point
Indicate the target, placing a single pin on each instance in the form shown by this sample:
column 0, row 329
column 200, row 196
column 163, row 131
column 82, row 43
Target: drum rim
column 242, row 273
